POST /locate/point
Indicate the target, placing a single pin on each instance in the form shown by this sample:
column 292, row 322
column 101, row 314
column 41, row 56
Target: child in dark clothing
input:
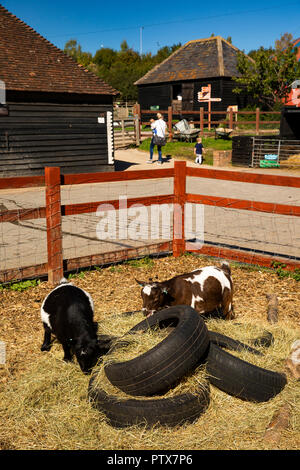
column 198, row 149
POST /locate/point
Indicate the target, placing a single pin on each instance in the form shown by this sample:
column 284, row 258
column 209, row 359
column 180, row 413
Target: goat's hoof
column 45, row 347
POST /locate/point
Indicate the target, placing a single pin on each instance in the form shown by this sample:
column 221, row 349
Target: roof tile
column 198, row 59
column 30, row 62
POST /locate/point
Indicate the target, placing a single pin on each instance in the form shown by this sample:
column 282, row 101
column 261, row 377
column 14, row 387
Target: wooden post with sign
column 204, row 96
column 201, row 120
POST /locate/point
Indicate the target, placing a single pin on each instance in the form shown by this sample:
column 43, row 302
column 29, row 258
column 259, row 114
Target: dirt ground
column 44, row 403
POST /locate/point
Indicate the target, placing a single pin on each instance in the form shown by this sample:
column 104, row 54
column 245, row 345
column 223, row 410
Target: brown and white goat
column 204, row 289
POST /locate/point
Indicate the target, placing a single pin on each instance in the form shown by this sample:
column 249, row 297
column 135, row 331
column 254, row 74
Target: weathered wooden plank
column 18, row 140
column 258, row 178
column 87, row 207
column 118, row 176
column 53, row 107
column 57, row 151
column 22, row 214
column 28, row 272
column 244, row 256
column 98, row 169
column 34, row 127
column 49, row 119
column 257, row 206
column 63, row 163
column 59, row 131
column 22, row 182
column 52, row 147
column 42, row 162
column 34, row 115
column 116, row 256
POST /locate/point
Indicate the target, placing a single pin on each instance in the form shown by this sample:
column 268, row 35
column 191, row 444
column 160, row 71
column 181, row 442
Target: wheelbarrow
column 183, row 131
column 222, row 133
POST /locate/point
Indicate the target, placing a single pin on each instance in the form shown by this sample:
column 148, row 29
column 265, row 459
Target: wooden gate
column 126, row 132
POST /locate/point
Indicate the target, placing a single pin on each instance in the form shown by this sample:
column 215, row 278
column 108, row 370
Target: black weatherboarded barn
column 56, row 113
column 196, row 64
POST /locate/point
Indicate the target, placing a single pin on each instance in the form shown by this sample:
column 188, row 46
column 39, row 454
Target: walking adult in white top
column 159, row 130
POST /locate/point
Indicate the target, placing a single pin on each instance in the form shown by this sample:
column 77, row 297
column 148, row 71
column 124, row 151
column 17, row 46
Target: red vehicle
column 293, row 98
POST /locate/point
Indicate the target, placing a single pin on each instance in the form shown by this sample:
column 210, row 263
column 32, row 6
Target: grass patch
column 21, row 285
column 186, row 149
column 145, row 262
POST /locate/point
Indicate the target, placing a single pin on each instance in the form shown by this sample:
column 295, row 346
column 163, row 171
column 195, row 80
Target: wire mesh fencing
column 284, row 152
column 87, row 220
column 23, row 233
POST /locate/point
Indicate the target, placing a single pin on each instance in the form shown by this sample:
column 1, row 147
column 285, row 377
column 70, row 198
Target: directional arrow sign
column 204, row 96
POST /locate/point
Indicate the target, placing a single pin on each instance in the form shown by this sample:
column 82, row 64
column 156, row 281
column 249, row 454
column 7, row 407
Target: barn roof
column 197, row 59
column 29, row 62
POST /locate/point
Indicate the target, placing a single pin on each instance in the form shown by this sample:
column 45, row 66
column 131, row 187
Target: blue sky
column 147, row 25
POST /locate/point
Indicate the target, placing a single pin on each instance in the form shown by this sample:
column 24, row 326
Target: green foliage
column 268, row 77
column 20, row 286
column 282, row 273
column 79, row 275
column 145, row 262
column 74, row 50
column 120, row 68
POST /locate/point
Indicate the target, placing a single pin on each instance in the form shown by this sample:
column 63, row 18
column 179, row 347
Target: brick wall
column 222, row 157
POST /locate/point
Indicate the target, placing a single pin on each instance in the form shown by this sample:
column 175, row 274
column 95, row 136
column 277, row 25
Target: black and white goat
column 204, row 289
column 67, row 312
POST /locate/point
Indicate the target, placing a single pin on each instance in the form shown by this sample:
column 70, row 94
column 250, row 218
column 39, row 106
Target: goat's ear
column 141, row 283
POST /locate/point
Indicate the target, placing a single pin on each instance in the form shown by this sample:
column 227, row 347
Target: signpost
column 204, row 96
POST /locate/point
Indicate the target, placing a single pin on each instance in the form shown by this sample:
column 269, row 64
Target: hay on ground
column 44, row 402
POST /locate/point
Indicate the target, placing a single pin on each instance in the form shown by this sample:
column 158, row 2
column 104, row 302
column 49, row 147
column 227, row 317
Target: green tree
column 119, row 68
column 269, row 75
column 74, row 50
column 284, row 42
column 105, row 57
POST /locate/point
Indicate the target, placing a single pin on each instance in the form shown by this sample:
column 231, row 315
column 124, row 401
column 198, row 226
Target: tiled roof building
column 28, row 62
column 57, row 113
column 198, row 59
column 197, row 63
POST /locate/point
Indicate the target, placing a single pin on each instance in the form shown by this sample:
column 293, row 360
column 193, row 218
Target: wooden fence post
column 257, row 121
column 201, row 120
column 53, row 219
column 179, row 201
column 137, row 111
column 170, row 117
column 230, row 118
column 137, row 131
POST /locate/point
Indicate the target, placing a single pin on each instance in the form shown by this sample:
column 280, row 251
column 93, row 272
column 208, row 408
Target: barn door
column 187, row 96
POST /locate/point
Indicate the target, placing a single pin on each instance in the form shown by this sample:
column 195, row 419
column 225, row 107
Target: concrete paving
column 23, row 243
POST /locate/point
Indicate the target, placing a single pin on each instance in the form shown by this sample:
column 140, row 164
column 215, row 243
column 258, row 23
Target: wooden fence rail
column 231, row 121
column 54, row 211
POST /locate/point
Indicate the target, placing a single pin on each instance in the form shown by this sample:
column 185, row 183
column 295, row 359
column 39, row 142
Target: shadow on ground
column 120, row 165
